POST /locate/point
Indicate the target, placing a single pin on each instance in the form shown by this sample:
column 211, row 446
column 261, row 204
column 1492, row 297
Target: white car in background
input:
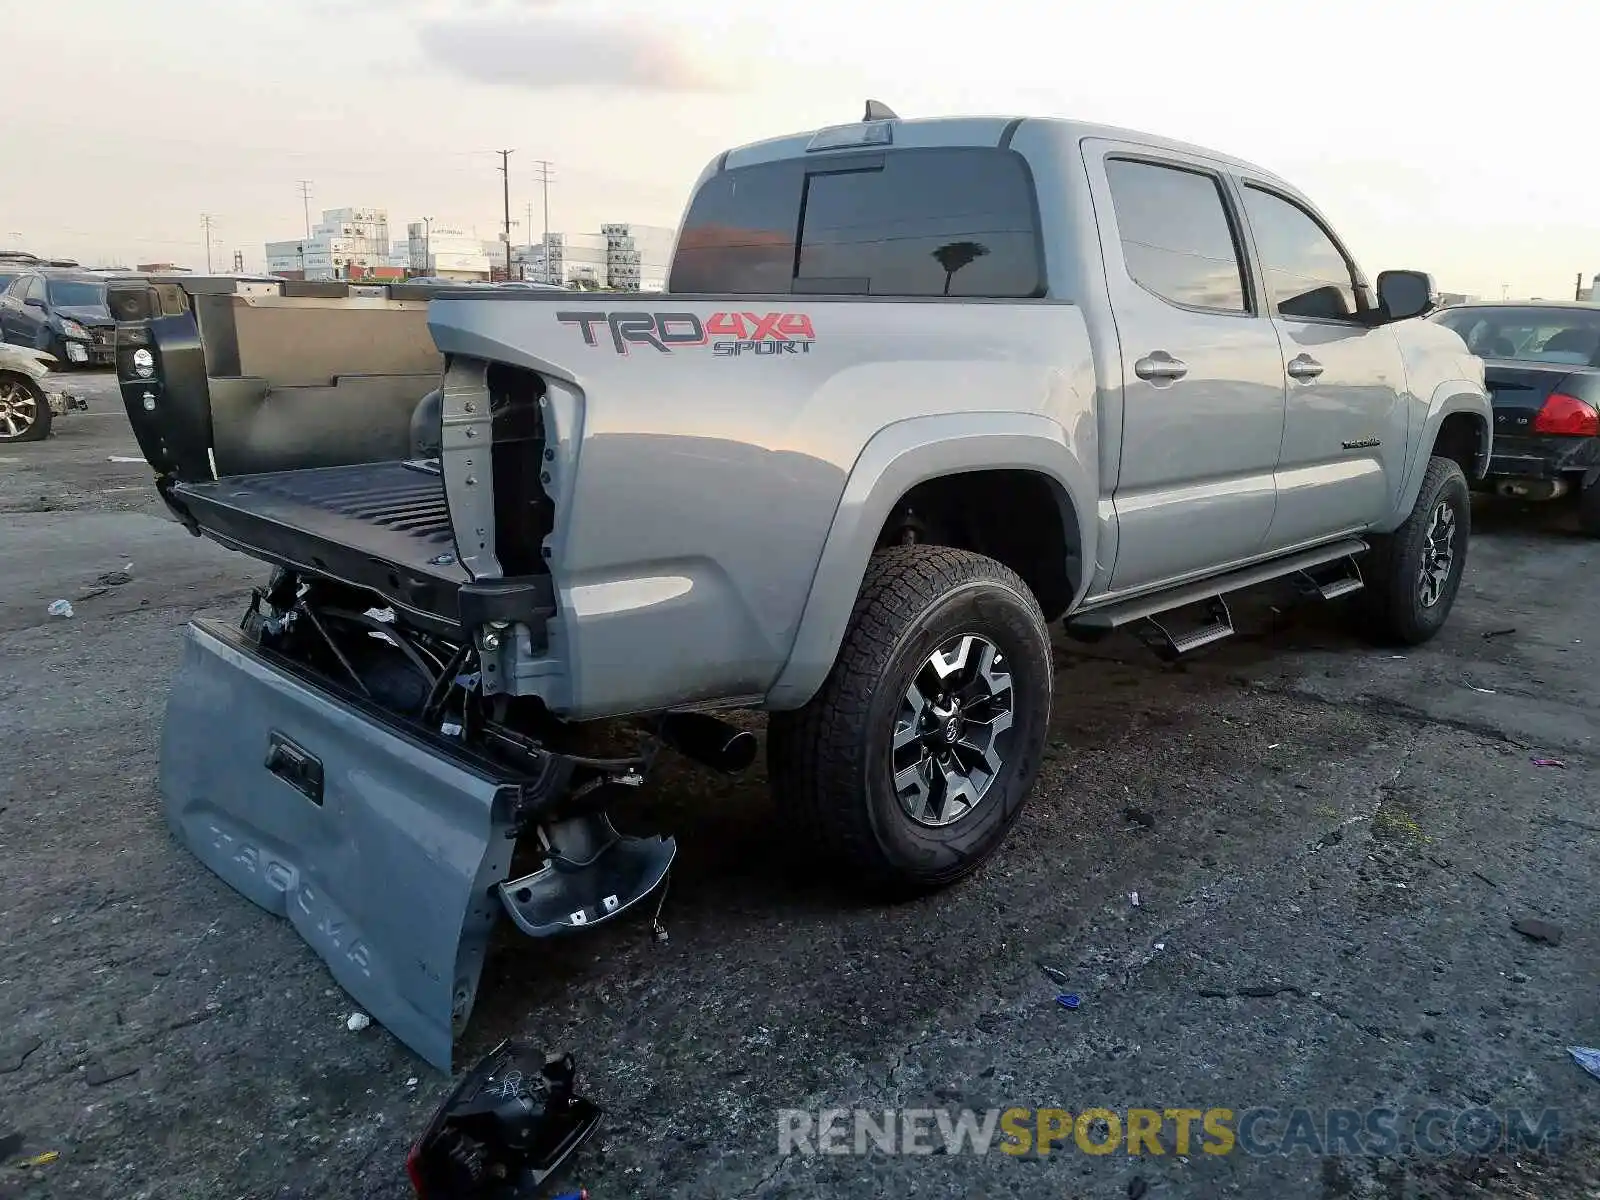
column 28, row 403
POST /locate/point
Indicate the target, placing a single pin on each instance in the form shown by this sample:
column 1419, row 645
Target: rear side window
column 1177, row 239
column 928, row 222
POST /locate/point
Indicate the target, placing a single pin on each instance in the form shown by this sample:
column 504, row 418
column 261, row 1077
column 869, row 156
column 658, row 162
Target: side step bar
column 1308, row 565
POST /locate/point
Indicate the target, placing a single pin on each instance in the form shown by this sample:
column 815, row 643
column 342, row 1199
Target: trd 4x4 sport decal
column 729, row 334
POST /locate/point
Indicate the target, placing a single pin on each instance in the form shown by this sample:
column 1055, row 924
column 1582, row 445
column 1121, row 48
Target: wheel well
column 1460, row 439
column 1020, row 518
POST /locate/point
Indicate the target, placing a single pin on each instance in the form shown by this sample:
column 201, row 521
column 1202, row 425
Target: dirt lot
column 1356, row 828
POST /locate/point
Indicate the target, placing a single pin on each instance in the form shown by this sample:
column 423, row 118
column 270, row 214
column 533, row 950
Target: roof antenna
column 877, row 110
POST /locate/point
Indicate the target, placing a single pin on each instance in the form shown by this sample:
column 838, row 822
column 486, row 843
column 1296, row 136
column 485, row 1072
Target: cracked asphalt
column 1329, row 842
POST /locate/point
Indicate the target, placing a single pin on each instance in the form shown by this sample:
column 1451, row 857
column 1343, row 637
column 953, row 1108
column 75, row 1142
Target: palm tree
column 954, row 255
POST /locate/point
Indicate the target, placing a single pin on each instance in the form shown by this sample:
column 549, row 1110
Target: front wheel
column 24, row 410
column 1413, row 574
column 911, row 764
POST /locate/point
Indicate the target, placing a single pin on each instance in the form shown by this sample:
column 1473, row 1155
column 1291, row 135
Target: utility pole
column 427, row 245
column 505, row 174
column 205, row 223
column 1577, row 291
column 305, row 204
column 544, row 177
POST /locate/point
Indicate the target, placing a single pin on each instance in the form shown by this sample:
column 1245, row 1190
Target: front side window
column 35, row 290
column 1307, row 274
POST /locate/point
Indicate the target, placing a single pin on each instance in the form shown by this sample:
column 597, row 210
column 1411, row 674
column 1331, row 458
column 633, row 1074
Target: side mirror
column 34, row 302
column 1405, row 294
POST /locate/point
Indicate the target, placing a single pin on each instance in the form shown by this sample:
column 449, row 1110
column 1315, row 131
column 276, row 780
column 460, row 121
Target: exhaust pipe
column 1532, row 489
column 708, row 740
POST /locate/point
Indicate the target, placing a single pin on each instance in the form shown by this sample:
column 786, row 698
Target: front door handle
column 1158, row 364
column 1304, row 367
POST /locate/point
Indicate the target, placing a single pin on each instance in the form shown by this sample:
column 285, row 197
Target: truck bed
column 381, row 525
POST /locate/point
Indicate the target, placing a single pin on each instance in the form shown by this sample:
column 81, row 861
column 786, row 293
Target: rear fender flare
column 898, row 458
column 1452, row 396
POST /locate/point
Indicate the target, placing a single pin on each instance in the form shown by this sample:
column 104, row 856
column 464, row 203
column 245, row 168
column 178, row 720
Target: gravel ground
column 1329, row 845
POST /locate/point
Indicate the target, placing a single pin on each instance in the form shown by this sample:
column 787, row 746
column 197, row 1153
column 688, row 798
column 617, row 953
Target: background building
column 446, row 251
column 637, row 256
column 346, row 242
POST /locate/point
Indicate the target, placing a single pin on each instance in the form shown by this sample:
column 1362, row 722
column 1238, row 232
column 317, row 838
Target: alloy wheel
column 952, row 731
column 1438, row 554
column 19, row 410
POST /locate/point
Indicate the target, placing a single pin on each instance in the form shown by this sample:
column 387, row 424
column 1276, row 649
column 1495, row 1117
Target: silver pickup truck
column 917, row 391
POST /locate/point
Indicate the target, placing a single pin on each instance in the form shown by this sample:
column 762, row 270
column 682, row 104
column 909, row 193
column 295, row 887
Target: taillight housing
column 1563, row 414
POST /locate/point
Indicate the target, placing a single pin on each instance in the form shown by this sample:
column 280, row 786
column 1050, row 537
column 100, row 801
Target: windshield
column 74, row 293
column 1548, row 335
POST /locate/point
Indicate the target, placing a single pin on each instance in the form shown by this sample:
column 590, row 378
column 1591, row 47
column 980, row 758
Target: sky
column 1455, row 138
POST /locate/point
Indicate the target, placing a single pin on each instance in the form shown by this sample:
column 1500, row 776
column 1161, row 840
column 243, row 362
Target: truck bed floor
column 384, row 526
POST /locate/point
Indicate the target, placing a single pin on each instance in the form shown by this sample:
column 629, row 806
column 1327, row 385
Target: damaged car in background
column 917, row 390
column 30, row 397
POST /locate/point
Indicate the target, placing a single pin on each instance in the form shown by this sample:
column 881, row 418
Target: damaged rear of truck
column 521, row 539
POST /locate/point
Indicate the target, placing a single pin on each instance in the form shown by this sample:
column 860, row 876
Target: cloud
column 555, row 51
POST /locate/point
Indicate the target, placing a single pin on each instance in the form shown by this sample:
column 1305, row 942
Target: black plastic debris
column 506, row 1128
column 1536, row 930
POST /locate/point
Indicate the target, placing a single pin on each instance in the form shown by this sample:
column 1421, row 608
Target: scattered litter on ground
column 1274, row 745
column 117, row 578
column 1587, row 1058
column 411, row 1082
column 357, row 1022
column 1139, row 816
column 1059, row 978
column 123, row 458
column 1548, row 762
column 39, row 1160
column 99, row 1074
column 1536, row 930
column 10, row 1144
column 1069, row 1000
column 60, row 608
column 1494, row 633
column 1484, row 691
column 1265, row 991
column 1133, row 899
column 12, row 1057
column 1486, row 879
column 93, row 592
column 1160, row 946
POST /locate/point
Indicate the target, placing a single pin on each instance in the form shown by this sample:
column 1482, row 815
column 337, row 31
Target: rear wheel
column 1413, row 574
column 911, row 764
column 24, row 411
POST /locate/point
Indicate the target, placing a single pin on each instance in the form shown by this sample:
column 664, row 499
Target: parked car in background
column 61, row 312
column 29, row 401
column 1542, row 368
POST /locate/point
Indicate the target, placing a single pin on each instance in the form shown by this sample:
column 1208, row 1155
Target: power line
column 305, row 204
column 505, row 179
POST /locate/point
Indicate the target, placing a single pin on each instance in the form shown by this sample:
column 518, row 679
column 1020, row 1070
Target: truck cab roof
column 925, row 132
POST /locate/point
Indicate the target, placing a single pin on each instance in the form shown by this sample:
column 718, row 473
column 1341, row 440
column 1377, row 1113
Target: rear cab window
column 1560, row 336
column 913, row 222
column 1178, row 240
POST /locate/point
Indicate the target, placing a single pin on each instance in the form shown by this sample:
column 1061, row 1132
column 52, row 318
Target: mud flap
column 381, row 851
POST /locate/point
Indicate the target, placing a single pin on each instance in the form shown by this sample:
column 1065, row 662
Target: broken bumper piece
column 61, row 403
column 381, row 849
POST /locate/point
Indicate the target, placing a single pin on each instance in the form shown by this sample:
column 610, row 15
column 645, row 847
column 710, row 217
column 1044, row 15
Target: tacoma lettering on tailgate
column 729, row 334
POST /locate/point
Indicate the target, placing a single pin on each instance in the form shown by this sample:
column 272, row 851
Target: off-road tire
column 42, row 416
column 1392, row 599
column 829, row 761
column 1589, row 510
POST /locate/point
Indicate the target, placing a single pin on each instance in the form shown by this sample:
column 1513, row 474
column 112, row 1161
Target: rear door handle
column 1158, row 364
column 1304, row 367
